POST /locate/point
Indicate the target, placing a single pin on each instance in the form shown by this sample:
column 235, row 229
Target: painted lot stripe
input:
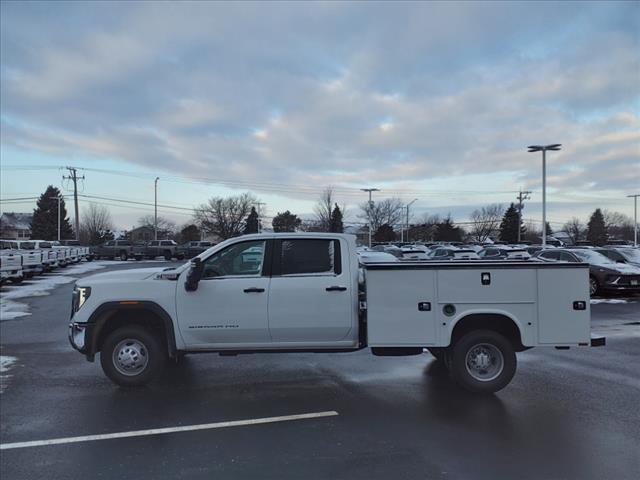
column 161, row 431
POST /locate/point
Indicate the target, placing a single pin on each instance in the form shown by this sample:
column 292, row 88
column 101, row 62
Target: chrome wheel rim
column 484, row 362
column 593, row 286
column 130, row 357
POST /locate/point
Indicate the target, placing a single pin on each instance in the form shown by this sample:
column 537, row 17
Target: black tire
column 594, row 286
column 17, row 281
column 492, row 347
column 167, row 255
column 123, row 256
column 134, row 342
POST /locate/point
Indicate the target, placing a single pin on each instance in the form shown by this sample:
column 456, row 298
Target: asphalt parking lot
column 566, row 415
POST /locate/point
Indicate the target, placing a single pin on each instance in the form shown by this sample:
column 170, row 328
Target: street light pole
column 408, row 205
column 370, row 207
column 635, row 218
column 155, row 215
column 543, row 149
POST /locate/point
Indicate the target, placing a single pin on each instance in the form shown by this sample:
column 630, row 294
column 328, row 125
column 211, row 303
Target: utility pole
column 370, row 207
column 155, row 210
column 635, row 218
column 73, row 175
column 522, row 196
column 59, row 197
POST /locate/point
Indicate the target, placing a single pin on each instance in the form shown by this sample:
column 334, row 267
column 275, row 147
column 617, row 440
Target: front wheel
column 483, row 361
column 132, row 356
column 123, row 256
column 593, row 286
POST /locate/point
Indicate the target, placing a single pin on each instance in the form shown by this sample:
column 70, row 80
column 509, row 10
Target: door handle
column 253, row 290
column 335, row 288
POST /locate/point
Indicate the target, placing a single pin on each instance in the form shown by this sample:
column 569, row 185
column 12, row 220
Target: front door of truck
column 311, row 297
column 230, row 305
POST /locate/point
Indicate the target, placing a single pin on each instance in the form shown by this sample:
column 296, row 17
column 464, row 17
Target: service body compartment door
column 400, row 307
column 561, row 322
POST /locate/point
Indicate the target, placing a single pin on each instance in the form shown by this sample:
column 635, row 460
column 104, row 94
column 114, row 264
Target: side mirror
column 194, row 275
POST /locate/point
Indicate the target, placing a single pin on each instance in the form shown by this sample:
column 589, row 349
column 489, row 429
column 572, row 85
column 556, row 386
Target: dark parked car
column 604, row 274
column 194, row 248
column 504, row 253
column 452, row 253
column 622, row 255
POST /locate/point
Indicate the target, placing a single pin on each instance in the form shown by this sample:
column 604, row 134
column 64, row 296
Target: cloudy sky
column 434, row 101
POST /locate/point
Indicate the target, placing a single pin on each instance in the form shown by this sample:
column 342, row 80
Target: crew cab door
column 311, row 294
column 229, row 307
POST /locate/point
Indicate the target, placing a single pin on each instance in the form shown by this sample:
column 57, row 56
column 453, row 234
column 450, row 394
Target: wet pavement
column 570, row 414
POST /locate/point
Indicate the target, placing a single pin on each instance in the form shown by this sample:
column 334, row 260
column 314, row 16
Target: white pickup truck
column 308, row 293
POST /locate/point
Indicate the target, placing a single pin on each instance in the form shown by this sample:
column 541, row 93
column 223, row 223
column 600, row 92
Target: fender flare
column 104, row 312
column 483, row 311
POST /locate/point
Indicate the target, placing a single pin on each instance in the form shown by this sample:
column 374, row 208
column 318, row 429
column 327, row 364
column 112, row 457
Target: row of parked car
column 612, row 268
column 125, row 249
column 20, row 259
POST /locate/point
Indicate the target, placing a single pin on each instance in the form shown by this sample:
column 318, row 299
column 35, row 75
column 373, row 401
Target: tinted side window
column 305, row 256
column 166, row 243
column 110, row 244
column 567, row 257
column 550, row 255
column 244, row 258
column 124, row 243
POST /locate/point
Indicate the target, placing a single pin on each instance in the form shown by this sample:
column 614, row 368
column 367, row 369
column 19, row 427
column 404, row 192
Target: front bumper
column 79, row 338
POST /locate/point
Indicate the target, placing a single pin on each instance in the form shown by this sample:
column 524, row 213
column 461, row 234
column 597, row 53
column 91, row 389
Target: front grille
column 630, row 280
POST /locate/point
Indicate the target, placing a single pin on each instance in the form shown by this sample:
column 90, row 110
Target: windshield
column 592, row 257
column 631, row 254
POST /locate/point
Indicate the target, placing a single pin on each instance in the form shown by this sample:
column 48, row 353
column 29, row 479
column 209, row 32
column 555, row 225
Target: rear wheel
column 483, row 361
column 132, row 356
column 167, row 255
column 17, row 280
column 123, row 256
column 593, row 286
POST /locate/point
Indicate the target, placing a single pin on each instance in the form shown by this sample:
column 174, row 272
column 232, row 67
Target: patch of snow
column 5, row 365
column 10, row 310
column 596, row 301
column 6, row 362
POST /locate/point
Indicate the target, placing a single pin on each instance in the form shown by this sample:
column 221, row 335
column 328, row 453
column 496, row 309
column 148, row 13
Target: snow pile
column 6, row 362
column 596, row 301
column 39, row 286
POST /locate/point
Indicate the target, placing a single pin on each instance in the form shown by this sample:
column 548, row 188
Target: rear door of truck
column 312, row 295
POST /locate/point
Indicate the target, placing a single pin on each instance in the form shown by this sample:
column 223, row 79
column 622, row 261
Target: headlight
column 82, row 294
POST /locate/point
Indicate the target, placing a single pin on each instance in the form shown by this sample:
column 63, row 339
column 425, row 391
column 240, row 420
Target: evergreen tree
column 44, row 225
column 286, row 222
column 446, row 231
column 384, row 233
column 597, row 229
column 509, row 225
column 335, row 223
column 189, row 233
column 253, row 222
column 549, row 229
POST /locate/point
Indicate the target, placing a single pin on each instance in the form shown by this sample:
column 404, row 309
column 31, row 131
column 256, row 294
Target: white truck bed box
column 410, row 304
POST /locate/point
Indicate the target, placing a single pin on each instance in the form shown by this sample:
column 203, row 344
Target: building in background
column 15, row 225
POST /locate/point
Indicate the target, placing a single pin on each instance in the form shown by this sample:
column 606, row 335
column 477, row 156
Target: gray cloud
column 329, row 93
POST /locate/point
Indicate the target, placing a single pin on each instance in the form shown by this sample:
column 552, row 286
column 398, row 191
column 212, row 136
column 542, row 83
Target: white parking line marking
column 161, row 431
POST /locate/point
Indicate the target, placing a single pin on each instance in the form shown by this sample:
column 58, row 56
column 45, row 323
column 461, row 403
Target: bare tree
column 388, row 211
column 166, row 227
column 225, row 217
column 575, row 229
column 323, row 210
column 486, row 222
column 96, row 224
column 618, row 225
